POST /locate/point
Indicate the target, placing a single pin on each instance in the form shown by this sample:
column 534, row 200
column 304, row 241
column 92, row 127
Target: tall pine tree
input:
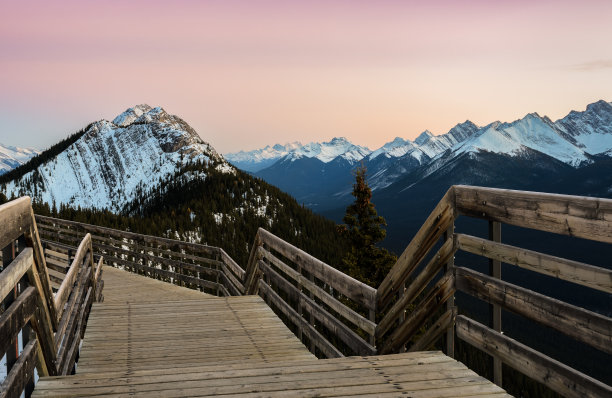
column 364, row 228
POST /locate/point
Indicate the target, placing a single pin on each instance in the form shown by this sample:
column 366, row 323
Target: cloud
column 593, row 65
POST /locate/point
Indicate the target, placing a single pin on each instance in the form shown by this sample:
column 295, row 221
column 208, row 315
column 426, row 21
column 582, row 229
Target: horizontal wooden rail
column 192, row 265
column 405, row 304
column 417, row 286
column 438, row 295
column 350, row 287
column 571, row 271
column 341, row 331
column 583, row 217
column 559, row 377
column 583, row 325
column 319, row 293
column 328, row 349
column 315, row 296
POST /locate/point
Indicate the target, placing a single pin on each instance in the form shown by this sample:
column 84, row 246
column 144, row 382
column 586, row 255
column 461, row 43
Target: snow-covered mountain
column 258, row 159
column 12, row 157
column 328, row 151
column 575, row 140
column 113, row 161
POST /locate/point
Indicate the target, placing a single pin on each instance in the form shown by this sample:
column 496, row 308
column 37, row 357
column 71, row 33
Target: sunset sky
column 249, row 73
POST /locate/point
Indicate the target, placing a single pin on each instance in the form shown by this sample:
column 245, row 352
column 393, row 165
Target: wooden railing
column 332, row 313
column 37, row 328
column 206, row 268
column 336, row 315
column 410, row 301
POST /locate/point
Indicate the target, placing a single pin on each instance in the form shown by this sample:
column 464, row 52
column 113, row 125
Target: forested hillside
column 201, row 204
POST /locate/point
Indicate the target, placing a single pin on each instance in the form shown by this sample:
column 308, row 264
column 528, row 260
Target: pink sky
column 249, row 73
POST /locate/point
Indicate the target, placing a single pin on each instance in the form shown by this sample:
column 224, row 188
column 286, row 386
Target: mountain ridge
column 108, row 164
column 576, row 140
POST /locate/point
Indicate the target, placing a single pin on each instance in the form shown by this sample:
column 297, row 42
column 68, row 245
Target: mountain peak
column 423, row 137
column 130, row 115
column 339, row 141
column 599, row 107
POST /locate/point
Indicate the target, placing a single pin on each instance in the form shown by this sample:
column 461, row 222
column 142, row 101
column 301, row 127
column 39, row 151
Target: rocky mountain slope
column 112, row 161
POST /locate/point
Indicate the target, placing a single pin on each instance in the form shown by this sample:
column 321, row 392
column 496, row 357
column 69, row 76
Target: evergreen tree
column 364, row 228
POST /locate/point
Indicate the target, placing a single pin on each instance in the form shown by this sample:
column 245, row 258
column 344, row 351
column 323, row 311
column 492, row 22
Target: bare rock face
column 113, row 161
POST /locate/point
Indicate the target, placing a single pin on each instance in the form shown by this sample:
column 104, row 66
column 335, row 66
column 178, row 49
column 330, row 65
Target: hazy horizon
column 246, row 74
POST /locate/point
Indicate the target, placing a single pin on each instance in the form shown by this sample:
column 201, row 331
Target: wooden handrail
column 586, row 326
column 559, row 377
column 402, row 314
column 190, row 264
column 25, row 283
column 568, row 270
column 579, row 216
column 333, row 311
column 287, row 271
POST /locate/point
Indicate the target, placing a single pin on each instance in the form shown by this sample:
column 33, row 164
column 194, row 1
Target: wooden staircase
column 153, row 339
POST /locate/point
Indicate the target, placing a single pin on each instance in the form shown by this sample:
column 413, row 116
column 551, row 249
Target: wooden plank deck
column 152, row 339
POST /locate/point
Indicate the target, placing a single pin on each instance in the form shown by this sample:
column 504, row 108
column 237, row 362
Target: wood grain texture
column 571, row 271
column 582, row 325
column 583, row 217
column 557, row 376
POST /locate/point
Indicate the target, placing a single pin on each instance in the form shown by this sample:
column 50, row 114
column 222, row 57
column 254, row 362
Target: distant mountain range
column 319, row 174
column 12, row 157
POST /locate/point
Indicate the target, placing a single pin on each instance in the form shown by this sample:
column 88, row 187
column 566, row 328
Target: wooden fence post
column 494, row 309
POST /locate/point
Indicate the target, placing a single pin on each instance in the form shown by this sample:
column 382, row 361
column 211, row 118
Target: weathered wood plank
column 557, row 376
column 15, row 216
column 231, row 264
column 160, row 272
column 64, row 291
column 434, row 227
column 21, row 373
column 41, row 279
column 571, row 271
column 16, row 316
column 583, row 325
column 17, row 268
column 583, row 217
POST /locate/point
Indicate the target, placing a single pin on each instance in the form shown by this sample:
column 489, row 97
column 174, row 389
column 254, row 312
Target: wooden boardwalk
column 153, row 339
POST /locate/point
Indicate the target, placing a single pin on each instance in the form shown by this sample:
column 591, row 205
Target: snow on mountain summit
column 130, row 115
column 328, row 151
column 112, row 161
